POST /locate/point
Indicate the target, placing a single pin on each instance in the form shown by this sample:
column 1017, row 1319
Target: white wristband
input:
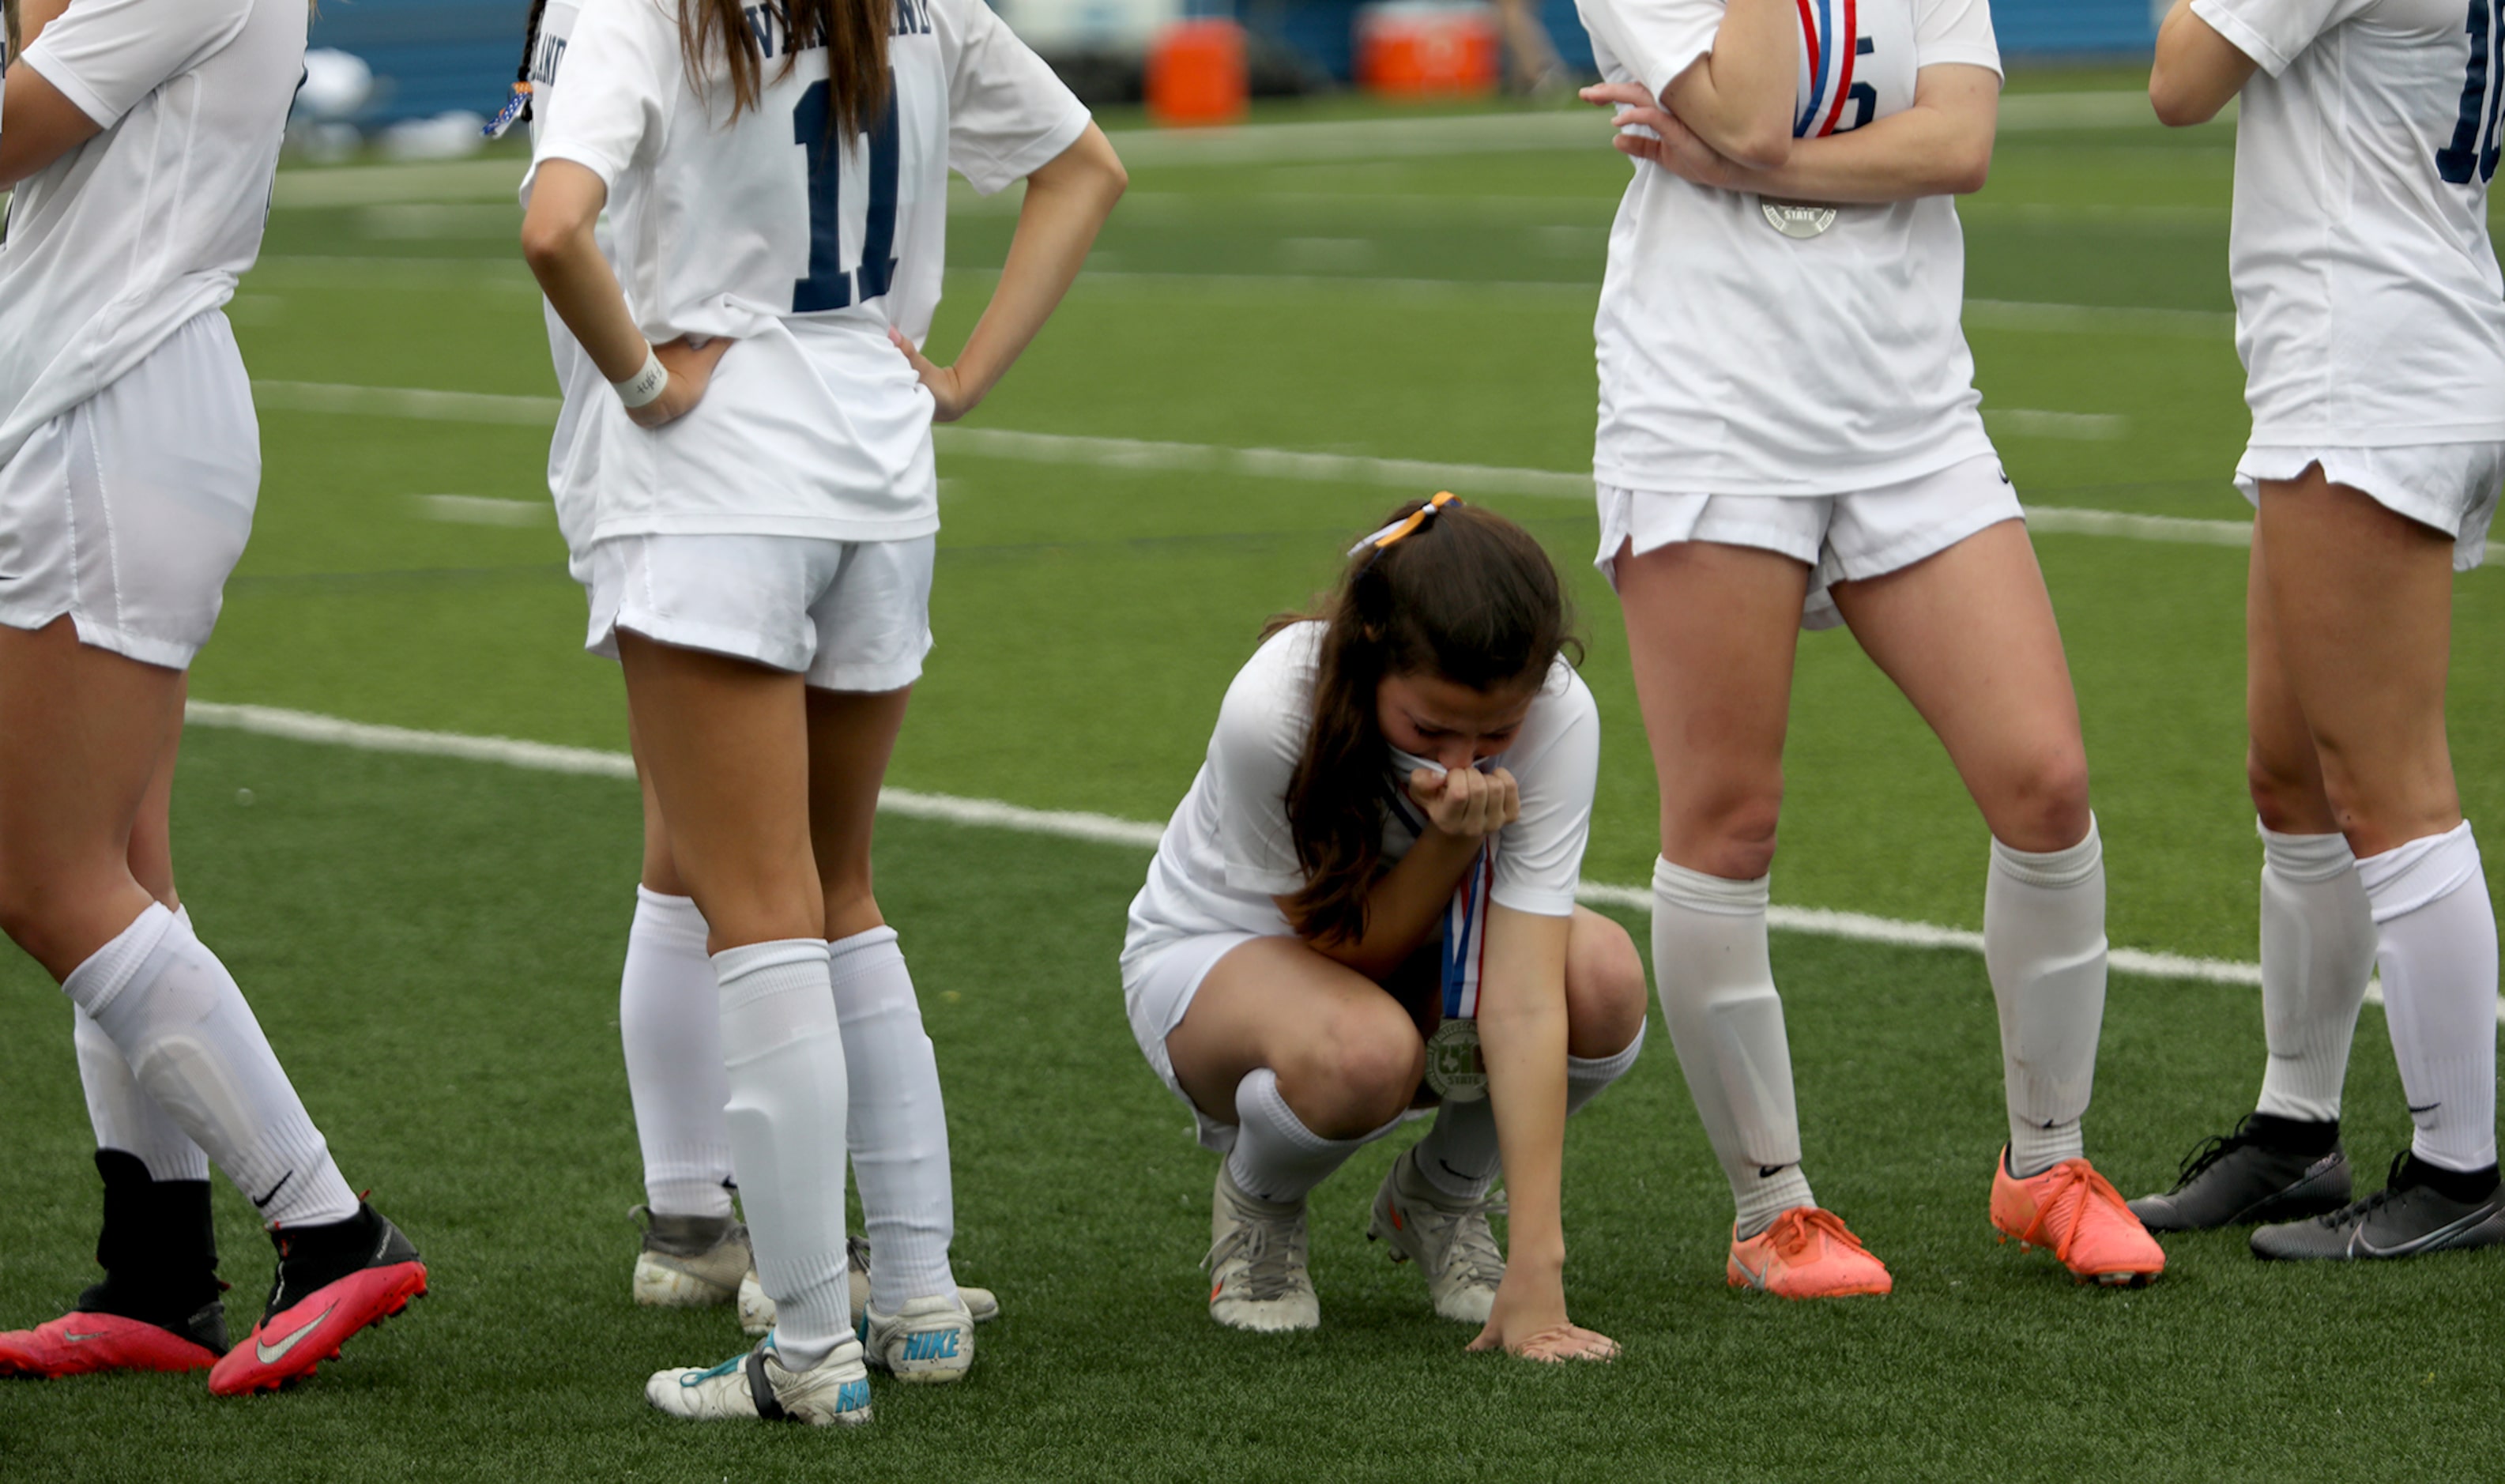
column 645, row 386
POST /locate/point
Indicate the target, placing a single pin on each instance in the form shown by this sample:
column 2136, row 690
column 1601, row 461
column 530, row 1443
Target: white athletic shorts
column 1158, row 986
column 846, row 615
column 127, row 512
column 2451, row 488
column 1839, row 538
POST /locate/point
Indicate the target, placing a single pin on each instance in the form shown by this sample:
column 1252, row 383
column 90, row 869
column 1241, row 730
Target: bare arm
column 1522, row 1034
column 1406, row 907
column 564, row 255
column 1067, row 201
column 2196, row 70
column 1739, row 98
column 1940, row 146
column 37, row 125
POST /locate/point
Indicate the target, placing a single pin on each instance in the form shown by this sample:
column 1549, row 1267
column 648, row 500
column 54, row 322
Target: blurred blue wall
column 438, row 55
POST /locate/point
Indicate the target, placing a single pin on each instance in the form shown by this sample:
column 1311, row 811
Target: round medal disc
column 1454, row 1066
column 1797, row 219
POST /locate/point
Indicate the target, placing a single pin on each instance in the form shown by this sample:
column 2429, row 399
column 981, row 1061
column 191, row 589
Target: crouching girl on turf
column 753, row 511
column 1382, row 848
column 141, row 140
column 1788, row 423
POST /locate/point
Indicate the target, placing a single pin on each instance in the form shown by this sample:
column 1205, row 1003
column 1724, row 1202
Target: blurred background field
column 1289, row 325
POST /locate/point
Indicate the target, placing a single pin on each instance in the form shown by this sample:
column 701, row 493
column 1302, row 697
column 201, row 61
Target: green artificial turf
column 434, row 945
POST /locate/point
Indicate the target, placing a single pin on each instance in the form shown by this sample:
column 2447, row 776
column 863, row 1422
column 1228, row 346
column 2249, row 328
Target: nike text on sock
column 191, row 1044
column 2318, row 947
column 2044, row 948
column 669, row 1018
column 1726, row 1022
column 2437, row 950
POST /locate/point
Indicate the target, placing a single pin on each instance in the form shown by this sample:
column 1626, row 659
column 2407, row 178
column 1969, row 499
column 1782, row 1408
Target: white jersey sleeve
column 105, row 56
column 1009, row 113
column 1655, row 39
column 1261, row 729
column 1539, row 855
column 2275, row 33
column 1956, row 32
column 622, row 66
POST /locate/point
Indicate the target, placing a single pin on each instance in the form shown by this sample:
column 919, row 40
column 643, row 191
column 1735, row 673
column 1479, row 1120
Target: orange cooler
column 1427, row 48
column 1196, row 73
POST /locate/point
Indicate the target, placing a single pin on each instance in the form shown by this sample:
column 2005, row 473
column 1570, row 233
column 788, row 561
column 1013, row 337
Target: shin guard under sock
column 2044, row 946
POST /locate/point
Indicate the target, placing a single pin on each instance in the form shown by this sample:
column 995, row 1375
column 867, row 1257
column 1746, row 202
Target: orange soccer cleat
column 1806, row 1254
column 2077, row 1214
column 80, row 1343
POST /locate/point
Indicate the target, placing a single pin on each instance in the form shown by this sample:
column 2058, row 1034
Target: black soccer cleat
column 2246, row 1175
column 2410, row 1215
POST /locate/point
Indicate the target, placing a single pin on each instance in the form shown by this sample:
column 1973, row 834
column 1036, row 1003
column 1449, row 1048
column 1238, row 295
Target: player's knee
column 1604, row 992
column 1730, row 834
column 2286, row 799
column 30, row 906
column 1367, row 1071
column 2043, row 807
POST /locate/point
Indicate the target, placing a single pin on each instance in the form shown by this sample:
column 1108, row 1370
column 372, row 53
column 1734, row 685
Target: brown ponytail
column 1468, row 597
column 854, row 33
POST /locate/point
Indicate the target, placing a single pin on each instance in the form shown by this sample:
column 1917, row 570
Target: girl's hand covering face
column 690, row 372
column 1465, row 802
column 1674, row 147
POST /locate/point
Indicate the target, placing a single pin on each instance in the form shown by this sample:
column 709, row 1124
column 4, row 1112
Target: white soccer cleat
column 687, row 1261
column 757, row 1311
column 1256, row 1263
column 835, row 1393
column 1449, row 1239
column 929, row 1340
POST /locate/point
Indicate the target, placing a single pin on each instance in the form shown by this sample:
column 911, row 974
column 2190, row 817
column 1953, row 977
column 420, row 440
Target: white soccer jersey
column 2369, row 309
column 1229, row 850
column 802, row 245
column 1736, row 360
column 118, row 243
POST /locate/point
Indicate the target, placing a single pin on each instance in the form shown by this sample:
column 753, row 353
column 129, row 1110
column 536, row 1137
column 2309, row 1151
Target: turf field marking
column 483, row 510
column 1107, row 829
column 2082, row 426
column 2097, row 319
column 1135, row 453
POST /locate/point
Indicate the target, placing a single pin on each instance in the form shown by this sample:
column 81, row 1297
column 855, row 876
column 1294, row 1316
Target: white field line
column 2075, row 427
column 1149, row 454
column 2096, row 319
column 483, row 510
column 1104, row 828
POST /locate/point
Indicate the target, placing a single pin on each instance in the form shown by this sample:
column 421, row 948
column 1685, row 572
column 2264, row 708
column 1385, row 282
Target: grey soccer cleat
column 688, row 1262
column 2407, row 1217
column 757, row 1311
column 757, row 1386
column 1447, row 1237
column 2238, row 1179
column 1256, row 1263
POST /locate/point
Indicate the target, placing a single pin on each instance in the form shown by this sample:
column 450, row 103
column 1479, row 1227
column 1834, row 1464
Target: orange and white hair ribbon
column 1407, row 523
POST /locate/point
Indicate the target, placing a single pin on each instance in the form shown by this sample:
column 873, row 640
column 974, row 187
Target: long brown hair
column 854, row 33
column 1467, row 598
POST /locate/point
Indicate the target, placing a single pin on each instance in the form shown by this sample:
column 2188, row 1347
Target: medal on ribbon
column 1455, row 1067
column 1797, row 219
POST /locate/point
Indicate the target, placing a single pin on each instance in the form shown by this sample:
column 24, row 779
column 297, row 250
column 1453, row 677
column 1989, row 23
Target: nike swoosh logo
column 2357, row 1243
column 75, row 1338
column 260, row 1201
column 2415, row 1110
column 272, row 1355
column 1756, row 1276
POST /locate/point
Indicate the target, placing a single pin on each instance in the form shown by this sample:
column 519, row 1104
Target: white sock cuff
column 2053, row 869
column 1261, row 1089
column 2403, row 879
column 1718, row 895
column 2304, row 856
column 862, row 952
column 662, row 916
column 732, row 965
column 1605, row 1070
column 98, row 982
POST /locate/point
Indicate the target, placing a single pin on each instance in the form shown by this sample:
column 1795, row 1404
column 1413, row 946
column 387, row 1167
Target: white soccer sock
column 184, row 1032
column 2044, row 946
column 784, row 1056
column 2439, row 963
column 1459, row 1155
column 898, row 1128
column 2317, row 950
column 1716, row 983
column 669, row 1015
column 122, row 1114
column 1276, row 1158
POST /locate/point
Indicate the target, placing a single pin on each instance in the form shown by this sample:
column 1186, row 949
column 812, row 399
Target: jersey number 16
column 829, row 284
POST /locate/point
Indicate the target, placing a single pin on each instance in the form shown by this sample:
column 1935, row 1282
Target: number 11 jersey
column 2369, row 309
column 803, row 244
